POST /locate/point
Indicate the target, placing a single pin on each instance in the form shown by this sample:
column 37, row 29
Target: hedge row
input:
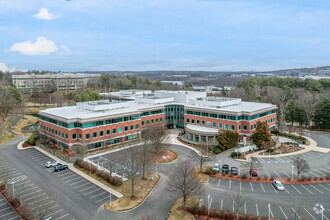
column 100, row 173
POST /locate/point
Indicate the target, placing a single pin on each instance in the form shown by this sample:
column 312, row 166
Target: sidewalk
column 172, row 139
column 312, row 146
column 87, row 177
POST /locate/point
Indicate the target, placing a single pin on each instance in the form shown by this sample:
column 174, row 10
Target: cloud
column 5, row 68
column 65, row 49
column 44, row 14
column 42, row 46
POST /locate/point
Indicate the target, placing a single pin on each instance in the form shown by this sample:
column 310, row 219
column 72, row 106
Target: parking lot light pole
column 209, row 203
column 13, row 183
column 110, row 199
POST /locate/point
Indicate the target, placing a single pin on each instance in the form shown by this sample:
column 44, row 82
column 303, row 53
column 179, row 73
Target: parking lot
column 38, row 200
column 83, row 187
column 310, row 155
column 6, row 211
column 279, row 210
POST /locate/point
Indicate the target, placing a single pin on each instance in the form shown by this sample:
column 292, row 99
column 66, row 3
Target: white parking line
column 240, row 186
column 219, row 183
column 309, row 214
column 77, row 182
column 262, row 160
column 5, row 209
column 324, row 187
column 286, row 174
column 296, row 189
column 274, row 188
column 13, row 218
column 32, row 192
column 306, row 188
column 316, row 188
column 37, row 201
column 295, row 212
column 233, row 206
column 262, row 187
column 283, row 212
column 322, row 174
column 82, row 185
column 229, row 184
column 286, row 190
column 221, row 204
column 64, row 174
column 277, row 174
column 42, row 194
column 62, row 216
column 68, row 177
column 3, row 203
column 251, row 186
column 324, row 170
column 107, row 197
column 86, row 188
column 54, row 213
column 73, row 179
column 271, row 212
column 6, row 214
column 267, row 173
column 279, row 159
column 92, row 191
column 97, row 195
column 257, row 209
column 245, row 208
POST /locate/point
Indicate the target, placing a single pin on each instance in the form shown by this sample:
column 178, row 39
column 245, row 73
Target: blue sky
column 214, row 35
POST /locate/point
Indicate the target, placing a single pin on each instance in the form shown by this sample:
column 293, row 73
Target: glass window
column 101, row 133
column 120, row 130
column 244, row 127
column 227, row 127
column 148, row 122
column 62, row 135
column 132, row 127
column 214, row 125
column 220, row 125
column 95, row 135
column 197, row 122
column 137, row 126
column 59, row 133
column 239, row 127
column 192, row 121
column 152, row 121
column 161, row 119
column 203, row 122
column 79, row 136
column 156, row 120
column 251, row 127
column 108, row 132
column 66, row 136
column 232, row 127
column 142, row 123
column 114, row 131
column 74, row 136
column 126, row 128
column 187, row 120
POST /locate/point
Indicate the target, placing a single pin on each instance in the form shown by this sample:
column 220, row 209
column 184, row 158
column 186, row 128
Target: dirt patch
column 163, row 156
column 201, row 177
column 303, row 180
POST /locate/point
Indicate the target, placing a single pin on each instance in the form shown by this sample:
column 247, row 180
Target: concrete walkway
column 172, row 139
column 87, row 177
column 311, row 147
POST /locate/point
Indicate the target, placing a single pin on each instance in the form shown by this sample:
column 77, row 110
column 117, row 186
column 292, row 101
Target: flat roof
column 204, row 129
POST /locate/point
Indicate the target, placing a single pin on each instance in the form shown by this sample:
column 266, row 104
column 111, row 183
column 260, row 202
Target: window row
column 152, row 121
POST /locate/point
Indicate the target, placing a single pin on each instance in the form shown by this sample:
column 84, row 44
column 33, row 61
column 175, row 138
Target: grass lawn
column 142, row 189
column 8, row 137
column 173, row 159
column 24, row 122
column 200, row 177
column 176, row 213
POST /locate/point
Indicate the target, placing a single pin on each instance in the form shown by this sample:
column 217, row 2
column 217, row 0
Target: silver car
column 216, row 167
column 278, row 185
column 52, row 163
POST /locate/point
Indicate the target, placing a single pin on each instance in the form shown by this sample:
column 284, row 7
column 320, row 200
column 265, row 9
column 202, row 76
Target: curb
column 140, row 203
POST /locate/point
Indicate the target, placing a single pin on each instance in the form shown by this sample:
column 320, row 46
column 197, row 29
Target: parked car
column 216, row 167
column 253, row 172
column 225, row 168
column 278, row 185
column 52, row 163
column 234, row 170
column 60, row 167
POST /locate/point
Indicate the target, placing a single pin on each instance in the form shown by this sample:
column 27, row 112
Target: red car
column 253, row 172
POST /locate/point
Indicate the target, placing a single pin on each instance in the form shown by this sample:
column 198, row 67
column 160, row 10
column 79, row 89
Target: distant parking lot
column 271, row 195
column 6, row 211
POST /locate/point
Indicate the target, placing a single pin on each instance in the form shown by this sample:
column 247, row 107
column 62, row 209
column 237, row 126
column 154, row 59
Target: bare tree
column 158, row 135
column 301, row 165
column 145, row 150
column 182, row 184
column 201, row 157
column 307, row 101
column 130, row 159
column 251, row 165
column 238, row 198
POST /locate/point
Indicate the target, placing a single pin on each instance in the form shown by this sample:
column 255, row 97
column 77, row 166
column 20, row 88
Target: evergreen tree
column 290, row 111
column 322, row 114
column 261, row 135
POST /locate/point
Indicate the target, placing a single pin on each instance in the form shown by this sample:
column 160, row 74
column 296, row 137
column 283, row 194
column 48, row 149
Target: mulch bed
column 24, row 145
column 269, row 180
column 163, row 156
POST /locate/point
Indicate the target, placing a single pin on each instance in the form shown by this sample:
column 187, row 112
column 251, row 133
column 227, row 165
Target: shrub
column 31, row 140
column 235, row 154
column 230, row 215
column 253, row 218
column 208, row 170
column 221, row 214
column 231, row 175
column 93, row 169
column 202, row 210
column 245, row 217
column 79, row 161
column 272, row 177
column 213, row 213
column 275, row 132
column 193, row 210
column 308, row 178
column 244, row 176
column 288, row 179
column 258, row 178
column 321, row 178
column 216, row 150
column 315, row 178
column 302, row 179
column 270, row 150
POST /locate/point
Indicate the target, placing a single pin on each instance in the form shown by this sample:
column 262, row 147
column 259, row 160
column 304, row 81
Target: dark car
column 234, row 170
column 61, row 167
column 225, row 168
column 253, row 172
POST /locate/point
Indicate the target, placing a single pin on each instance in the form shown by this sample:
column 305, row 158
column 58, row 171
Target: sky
column 140, row 35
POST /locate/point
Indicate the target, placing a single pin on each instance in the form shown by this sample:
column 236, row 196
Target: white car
column 52, row 164
column 278, row 185
column 216, row 167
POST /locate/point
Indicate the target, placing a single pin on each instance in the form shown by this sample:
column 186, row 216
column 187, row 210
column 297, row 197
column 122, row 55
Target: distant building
column 100, row 123
column 178, row 83
column 125, row 95
column 61, row 81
